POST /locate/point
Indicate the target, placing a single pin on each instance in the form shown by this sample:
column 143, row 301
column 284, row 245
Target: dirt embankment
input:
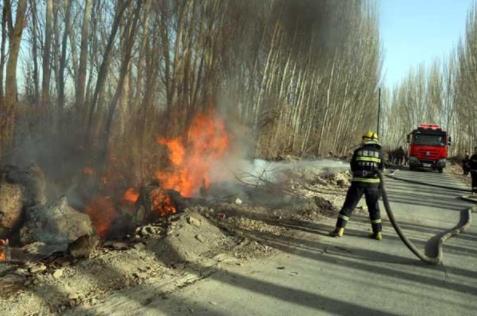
column 174, row 252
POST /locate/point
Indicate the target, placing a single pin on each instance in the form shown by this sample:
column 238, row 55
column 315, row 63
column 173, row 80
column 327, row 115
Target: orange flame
column 130, row 196
column 176, row 150
column 191, row 160
column 3, row 254
column 102, row 213
column 162, row 203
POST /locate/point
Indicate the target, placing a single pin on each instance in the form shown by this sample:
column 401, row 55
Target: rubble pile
column 28, row 221
column 157, row 252
column 56, row 224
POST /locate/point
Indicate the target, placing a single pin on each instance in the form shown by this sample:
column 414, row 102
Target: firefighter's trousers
column 355, row 192
column 473, row 173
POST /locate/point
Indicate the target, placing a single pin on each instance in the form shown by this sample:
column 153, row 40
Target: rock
column 11, row 283
column 323, row 204
column 42, row 250
column 22, row 272
column 139, row 246
column 58, row 273
column 83, row 246
column 36, row 268
column 32, row 179
column 116, row 245
column 11, row 205
column 140, row 275
column 193, row 221
column 221, row 257
column 19, row 189
column 56, row 223
column 73, row 296
column 200, row 238
column 342, row 180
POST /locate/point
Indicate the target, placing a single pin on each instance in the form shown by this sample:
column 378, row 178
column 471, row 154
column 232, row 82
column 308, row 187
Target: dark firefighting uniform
column 365, row 164
column 466, row 165
column 473, row 172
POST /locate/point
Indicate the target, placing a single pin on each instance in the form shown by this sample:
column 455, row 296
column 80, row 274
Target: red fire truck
column 428, row 147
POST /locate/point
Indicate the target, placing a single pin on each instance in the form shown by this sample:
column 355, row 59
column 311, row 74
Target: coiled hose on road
column 435, row 243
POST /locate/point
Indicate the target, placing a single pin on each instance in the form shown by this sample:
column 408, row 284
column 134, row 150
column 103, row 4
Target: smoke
column 262, row 182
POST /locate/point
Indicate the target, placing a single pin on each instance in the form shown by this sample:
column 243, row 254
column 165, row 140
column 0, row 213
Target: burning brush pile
column 190, row 217
column 101, row 208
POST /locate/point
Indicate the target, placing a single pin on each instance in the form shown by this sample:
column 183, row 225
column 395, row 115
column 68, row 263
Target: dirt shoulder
column 173, row 253
column 456, row 171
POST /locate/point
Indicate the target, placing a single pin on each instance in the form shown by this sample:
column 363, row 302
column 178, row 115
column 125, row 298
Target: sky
column 415, row 32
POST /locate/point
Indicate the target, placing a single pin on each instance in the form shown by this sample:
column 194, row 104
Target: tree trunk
column 6, row 21
column 8, row 108
column 45, row 86
column 125, row 65
column 61, row 70
column 103, row 71
column 81, row 79
column 36, row 80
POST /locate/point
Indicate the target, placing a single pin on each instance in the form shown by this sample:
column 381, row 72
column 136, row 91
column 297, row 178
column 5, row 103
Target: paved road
column 318, row 275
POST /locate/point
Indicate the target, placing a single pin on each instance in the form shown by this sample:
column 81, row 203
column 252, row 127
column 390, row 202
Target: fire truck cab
column 428, row 147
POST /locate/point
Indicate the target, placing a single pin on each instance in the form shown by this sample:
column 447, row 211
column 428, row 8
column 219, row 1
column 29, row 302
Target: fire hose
column 437, row 241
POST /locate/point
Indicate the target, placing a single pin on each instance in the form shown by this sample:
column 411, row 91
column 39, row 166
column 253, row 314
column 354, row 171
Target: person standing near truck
column 400, row 153
column 473, row 171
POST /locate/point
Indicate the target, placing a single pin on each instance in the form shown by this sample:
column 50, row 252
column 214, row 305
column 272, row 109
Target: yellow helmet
column 370, row 135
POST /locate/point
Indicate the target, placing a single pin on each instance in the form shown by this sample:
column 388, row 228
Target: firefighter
column 466, row 164
column 473, row 171
column 400, row 156
column 367, row 161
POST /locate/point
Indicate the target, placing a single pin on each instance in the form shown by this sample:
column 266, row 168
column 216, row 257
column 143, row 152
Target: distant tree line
column 444, row 93
column 98, row 80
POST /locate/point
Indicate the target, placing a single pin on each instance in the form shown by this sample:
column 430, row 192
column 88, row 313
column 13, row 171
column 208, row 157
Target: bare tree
column 45, row 86
column 62, row 62
column 82, row 68
column 103, row 71
column 8, row 107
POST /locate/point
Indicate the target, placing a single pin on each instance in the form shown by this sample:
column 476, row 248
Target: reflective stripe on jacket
column 366, row 162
